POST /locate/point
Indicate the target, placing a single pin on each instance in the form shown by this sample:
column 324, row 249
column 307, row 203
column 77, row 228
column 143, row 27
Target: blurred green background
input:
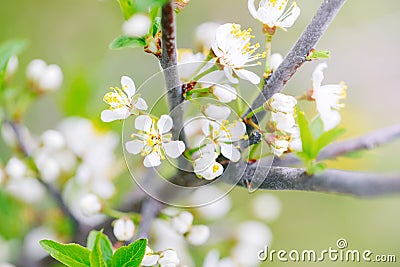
column 363, row 40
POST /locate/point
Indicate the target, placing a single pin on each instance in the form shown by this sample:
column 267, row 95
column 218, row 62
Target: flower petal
column 164, row 124
column 128, row 86
column 152, row 160
column 229, row 75
column 217, row 112
column 318, row 75
column 248, row 75
column 174, row 149
column 289, row 20
column 252, row 9
column 330, row 119
column 143, row 123
column 134, row 147
column 109, row 115
column 224, row 93
column 141, row 104
column 229, row 151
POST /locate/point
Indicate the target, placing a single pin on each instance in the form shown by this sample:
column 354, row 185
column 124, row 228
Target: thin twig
column 297, row 55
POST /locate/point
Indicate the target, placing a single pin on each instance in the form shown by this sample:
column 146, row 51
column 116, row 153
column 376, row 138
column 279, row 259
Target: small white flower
column 284, row 122
column 233, row 51
column 282, row 103
column 330, row 119
column 279, row 146
column 224, row 93
column 267, row 206
column 48, row 167
column 124, row 229
column 153, row 140
column 15, row 168
column 198, row 235
column 27, row 189
column 168, row 258
column 206, row 165
column 53, row 139
column 149, row 258
column 295, row 144
column 189, row 63
column 218, row 202
column 327, row 97
column 272, row 13
column 123, row 102
column 276, row 60
column 215, row 112
column 137, row 26
column 44, row 77
column 182, row 222
column 205, row 34
column 90, row 205
column 12, row 67
column 223, row 135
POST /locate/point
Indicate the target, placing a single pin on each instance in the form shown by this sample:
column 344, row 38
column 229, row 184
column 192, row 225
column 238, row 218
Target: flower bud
column 53, row 139
column 168, row 258
column 282, row 103
column 12, row 67
column 15, row 168
column 90, row 205
column 51, row 79
column 35, row 69
column 124, row 229
column 149, row 258
column 198, row 235
column 137, row 26
column 205, row 34
column 182, row 222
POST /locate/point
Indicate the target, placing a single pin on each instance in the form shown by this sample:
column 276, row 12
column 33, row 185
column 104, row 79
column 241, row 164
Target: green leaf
column 97, row 238
column 156, row 26
column 146, row 5
column 10, row 209
column 316, row 168
column 127, row 8
column 7, row 50
column 75, row 100
column 130, row 256
column 327, row 138
column 72, row 255
column 317, row 127
column 318, row 54
column 125, row 41
column 305, row 134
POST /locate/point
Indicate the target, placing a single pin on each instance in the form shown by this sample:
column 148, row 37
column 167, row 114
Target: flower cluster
column 182, row 223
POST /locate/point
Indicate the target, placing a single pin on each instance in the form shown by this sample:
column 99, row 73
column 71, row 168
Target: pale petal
column 252, row 9
column 330, row 120
column 164, row 124
column 318, row 75
column 229, row 151
column 289, row 20
column 174, row 149
column 276, row 60
column 143, row 123
column 141, row 104
column 217, row 112
column 128, row 86
column 248, row 75
column 152, row 160
column 134, row 147
column 229, row 75
column 224, row 93
column 109, row 115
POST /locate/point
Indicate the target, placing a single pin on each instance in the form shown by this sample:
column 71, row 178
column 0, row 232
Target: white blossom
column 233, row 51
column 123, row 102
column 216, row 203
column 137, row 26
column 224, row 93
column 283, row 121
column 282, row 103
column 150, row 258
column 279, row 146
column 15, row 168
column 124, row 229
column 273, row 13
column 205, row 34
column 168, row 258
column 198, row 235
column 27, row 189
column 266, row 206
column 215, row 112
column 276, row 60
column 12, row 66
column 90, row 205
column 206, row 165
column 330, row 119
column 44, row 77
column 189, row 63
column 327, row 97
column 182, row 222
column 154, row 140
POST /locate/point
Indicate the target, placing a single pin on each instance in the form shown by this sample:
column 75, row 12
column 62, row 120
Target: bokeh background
column 363, row 40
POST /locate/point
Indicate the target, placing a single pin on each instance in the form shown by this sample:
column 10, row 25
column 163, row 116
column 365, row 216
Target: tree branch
column 297, row 55
column 364, row 142
column 331, row 181
column 169, row 65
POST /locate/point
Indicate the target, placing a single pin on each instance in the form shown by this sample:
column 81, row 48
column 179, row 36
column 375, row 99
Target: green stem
column 197, row 91
column 268, row 45
column 118, row 214
column 194, row 150
column 255, row 111
column 204, row 73
column 253, row 150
